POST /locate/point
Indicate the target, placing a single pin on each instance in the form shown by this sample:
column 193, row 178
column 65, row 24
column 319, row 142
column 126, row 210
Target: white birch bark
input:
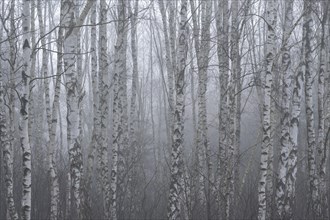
column 124, row 141
column 72, row 92
column 12, row 54
column 234, row 114
column 7, row 155
column 200, row 151
column 32, row 71
column 205, row 44
column 294, row 130
column 269, row 56
column 24, row 99
column 68, row 197
column 283, row 207
column 270, row 163
column 72, row 99
column 96, row 114
column 173, row 57
column 118, row 127
column 174, row 209
column 7, row 151
column 202, row 48
column 72, row 88
column 133, row 191
column 81, row 94
column 104, row 110
column 322, row 137
column 312, row 170
column 222, row 49
column 7, row 148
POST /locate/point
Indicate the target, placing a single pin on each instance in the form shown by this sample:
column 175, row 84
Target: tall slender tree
column 174, row 209
column 322, row 145
column 311, row 140
column 24, row 100
column 96, row 114
column 284, row 208
column 6, row 140
column 271, row 17
column 222, row 21
column 133, row 145
column 104, row 110
column 72, row 99
column 118, row 111
column 234, row 111
column 202, row 49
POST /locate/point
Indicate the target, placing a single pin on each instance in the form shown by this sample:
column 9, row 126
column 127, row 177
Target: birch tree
column 234, row 110
column 72, row 91
column 118, row 127
column 269, row 60
column 7, row 156
column 174, row 208
column 283, row 204
column 32, row 70
column 6, row 139
column 24, row 100
column 322, row 145
column 133, row 146
column 202, row 48
column 72, row 98
column 313, row 178
column 96, row 113
column 222, row 21
column 104, row 110
column 124, row 140
column 162, row 152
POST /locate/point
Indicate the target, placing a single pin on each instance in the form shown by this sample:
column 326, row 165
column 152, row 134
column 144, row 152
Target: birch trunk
column 284, row 208
column 174, row 208
column 222, row 50
column 5, row 138
column 118, row 127
column 202, row 48
column 96, row 114
column 7, row 150
column 72, row 88
column 32, row 71
column 322, row 137
column 312, row 170
column 124, row 141
column 271, row 18
column 234, row 114
column 133, row 191
column 24, row 132
column 7, row 157
column 72, row 100
column 273, row 138
column 104, row 110
column 205, row 45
